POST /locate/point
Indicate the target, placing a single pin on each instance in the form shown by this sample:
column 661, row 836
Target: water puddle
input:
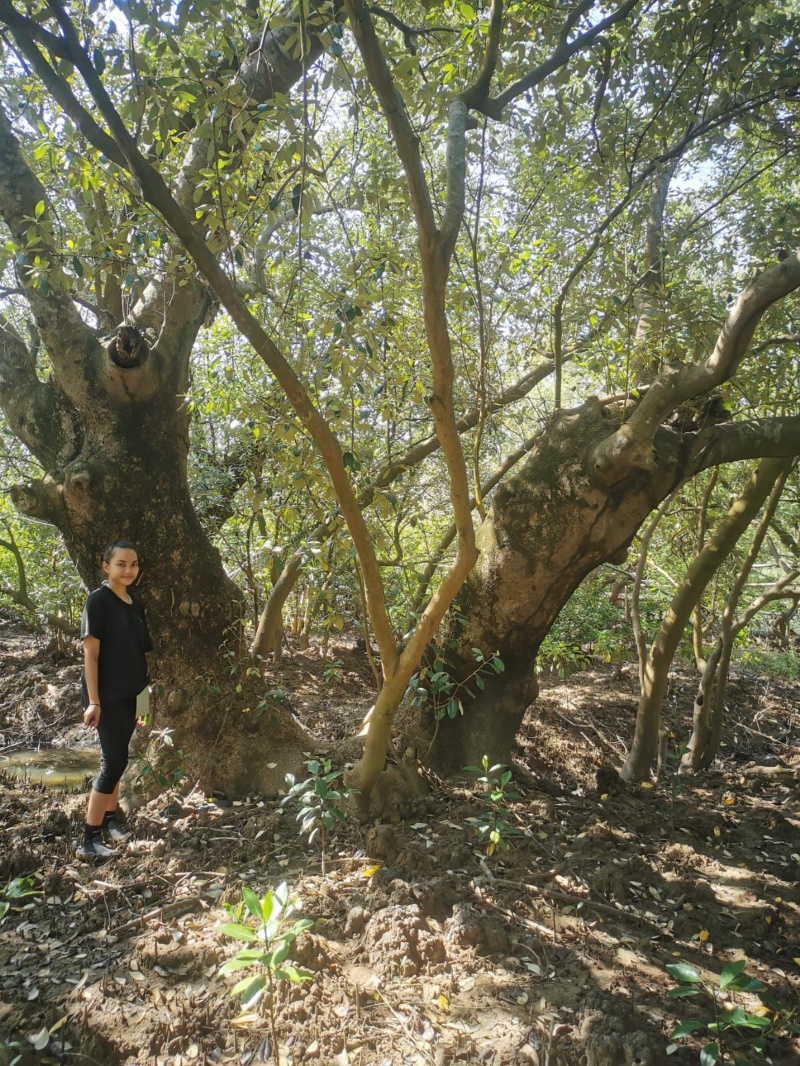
column 55, row 767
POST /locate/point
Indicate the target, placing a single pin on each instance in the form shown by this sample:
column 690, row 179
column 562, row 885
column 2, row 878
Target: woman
column 115, row 640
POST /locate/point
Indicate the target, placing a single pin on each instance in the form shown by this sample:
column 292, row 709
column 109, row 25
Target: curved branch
column 41, row 498
column 563, row 52
column 632, row 444
column 478, row 92
column 30, row 405
column 269, row 69
column 26, row 33
column 55, row 314
column 450, row 533
column 22, row 597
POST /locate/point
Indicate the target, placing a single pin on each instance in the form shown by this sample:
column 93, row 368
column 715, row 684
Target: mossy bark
column 547, row 528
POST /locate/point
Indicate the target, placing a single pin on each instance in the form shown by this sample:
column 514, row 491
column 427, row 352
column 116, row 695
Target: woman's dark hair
column 116, row 545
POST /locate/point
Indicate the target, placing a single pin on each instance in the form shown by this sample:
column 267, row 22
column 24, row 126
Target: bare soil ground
column 424, row 949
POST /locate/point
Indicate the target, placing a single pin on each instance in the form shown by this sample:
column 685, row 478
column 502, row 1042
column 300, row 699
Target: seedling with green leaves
column 319, row 798
column 162, row 761
column 333, row 672
column 10, row 1052
column 272, row 935
column 732, row 1022
column 17, row 889
column 492, row 825
column 437, row 684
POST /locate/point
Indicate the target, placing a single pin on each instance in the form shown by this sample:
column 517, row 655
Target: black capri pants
column 115, row 729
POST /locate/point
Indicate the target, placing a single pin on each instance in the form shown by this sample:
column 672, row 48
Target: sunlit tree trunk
column 716, row 550
column 709, row 704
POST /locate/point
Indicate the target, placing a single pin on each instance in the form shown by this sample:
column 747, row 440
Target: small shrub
column 435, row 683
column 492, row 826
column 784, row 664
column 319, row 799
column 18, row 888
column 333, row 672
column 272, row 936
column 731, row 1022
column 162, row 761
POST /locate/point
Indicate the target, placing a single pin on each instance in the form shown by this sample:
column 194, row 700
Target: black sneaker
column 113, row 832
column 94, row 849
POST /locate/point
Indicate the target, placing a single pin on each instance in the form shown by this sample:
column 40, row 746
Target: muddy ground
column 424, row 949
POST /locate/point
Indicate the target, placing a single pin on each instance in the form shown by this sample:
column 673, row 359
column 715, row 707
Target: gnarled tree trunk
column 547, row 528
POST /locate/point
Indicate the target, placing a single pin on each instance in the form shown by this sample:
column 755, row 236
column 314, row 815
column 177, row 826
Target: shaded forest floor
column 424, row 950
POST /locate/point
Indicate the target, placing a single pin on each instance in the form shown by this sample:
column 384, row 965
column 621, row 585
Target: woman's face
column 122, row 567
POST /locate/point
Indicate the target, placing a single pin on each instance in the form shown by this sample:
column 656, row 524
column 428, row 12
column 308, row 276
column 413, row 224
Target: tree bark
column 547, row 528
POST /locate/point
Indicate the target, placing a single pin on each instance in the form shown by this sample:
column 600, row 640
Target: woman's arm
column 91, row 652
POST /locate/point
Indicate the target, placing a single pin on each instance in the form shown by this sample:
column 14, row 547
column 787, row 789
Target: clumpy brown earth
column 424, row 950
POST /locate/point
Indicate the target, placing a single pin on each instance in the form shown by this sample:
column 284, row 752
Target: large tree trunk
column 111, row 433
column 547, row 528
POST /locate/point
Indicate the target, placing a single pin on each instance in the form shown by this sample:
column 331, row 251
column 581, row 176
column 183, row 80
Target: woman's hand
column 91, row 716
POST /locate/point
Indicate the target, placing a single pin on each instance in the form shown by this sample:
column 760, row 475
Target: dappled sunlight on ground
column 423, row 949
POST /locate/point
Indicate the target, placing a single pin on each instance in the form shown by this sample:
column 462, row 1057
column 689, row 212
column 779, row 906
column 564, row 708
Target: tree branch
column 450, row 533
column 29, row 404
column 21, row 596
column 561, row 55
column 751, row 439
column 55, row 314
column 402, row 132
column 41, row 498
column 269, row 69
column 632, row 444
column 26, row 34
column 477, row 94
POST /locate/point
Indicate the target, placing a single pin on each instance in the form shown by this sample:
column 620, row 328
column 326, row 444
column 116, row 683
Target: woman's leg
column 96, row 808
column 115, row 729
column 112, row 800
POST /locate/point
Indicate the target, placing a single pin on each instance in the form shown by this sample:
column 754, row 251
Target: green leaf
column 40, row 208
column 682, row 971
column 267, row 905
column 730, row 972
column 252, row 902
column 235, row 964
column 736, row 1017
column 249, row 988
column 237, row 931
column 709, row 1055
column 297, row 976
column 683, row 992
column 749, row 984
column 684, row 1028
column 98, row 60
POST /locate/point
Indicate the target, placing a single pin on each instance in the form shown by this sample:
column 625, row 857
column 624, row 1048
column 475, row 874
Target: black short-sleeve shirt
column 124, row 639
